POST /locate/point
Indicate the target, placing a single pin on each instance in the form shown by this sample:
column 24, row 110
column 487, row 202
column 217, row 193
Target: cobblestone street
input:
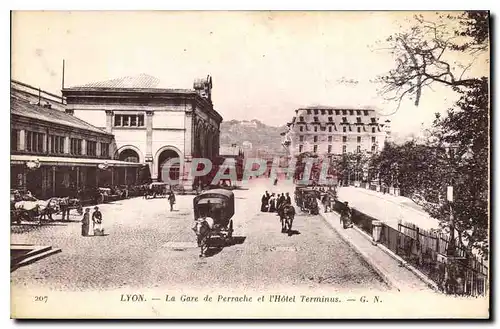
column 150, row 247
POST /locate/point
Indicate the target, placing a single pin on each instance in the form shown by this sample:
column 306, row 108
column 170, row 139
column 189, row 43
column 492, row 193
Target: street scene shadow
column 293, row 232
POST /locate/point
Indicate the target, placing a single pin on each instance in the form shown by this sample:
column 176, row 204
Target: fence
column 425, row 250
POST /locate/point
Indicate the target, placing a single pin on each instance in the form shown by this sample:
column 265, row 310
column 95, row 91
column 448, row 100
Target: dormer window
column 308, row 112
column 316, row 119
column 337, row 112
column 351, row 112
column 358, row 112
column 330, row 119
column 365, row 112
column 358, row 119
column 344, row 112
column 301, row 119
column 322, row 112
column 330, row 112
column 315, row 112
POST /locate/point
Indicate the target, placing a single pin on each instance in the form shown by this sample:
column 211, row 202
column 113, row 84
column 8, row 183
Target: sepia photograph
column 250, row 164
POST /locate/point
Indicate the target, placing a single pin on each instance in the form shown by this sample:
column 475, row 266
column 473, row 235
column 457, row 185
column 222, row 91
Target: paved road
column 150, row 247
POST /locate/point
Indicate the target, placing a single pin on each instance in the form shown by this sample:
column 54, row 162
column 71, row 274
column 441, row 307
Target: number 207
column 41, row 299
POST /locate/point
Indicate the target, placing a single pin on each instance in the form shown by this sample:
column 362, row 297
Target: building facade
column 152, row 125
column 324, row 130
column 56, row 154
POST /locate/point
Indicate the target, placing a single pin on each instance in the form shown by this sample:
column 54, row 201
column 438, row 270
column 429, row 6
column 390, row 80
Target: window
column 337, row 112
column 301, row 138
column 329, row 149
column 344, row 139
column 330, row 119
column 75, row 146
column 344, row 119
column 315, row 112
column 374, row 140
column 344, row 149
column 345, row 129
column 322, row 112
column 373, row 129
column 358, row 149
column 308, row 112
column 344, row 112
column 316, row 119
column 359, row 139
column 359, row 129
column 104, row 149
column 57, row 144
column 315, row 149
column 301, row 128
column 351, row 112
column 315, row 139
column 301, row 119
column 329, row 138
column 373, row 120
column 14, row 133
column 91, row 148
column 373, row 148
column 330, row 129
column 133, row 120
column 358, row 119
column 34, row 141
column 358, row 112
column 365, row 112
column 316, row 128
column 300, row 148
column 330, row 112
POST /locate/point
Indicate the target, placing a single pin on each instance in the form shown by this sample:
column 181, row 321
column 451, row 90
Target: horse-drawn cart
column 306, row 199
column 213, row 212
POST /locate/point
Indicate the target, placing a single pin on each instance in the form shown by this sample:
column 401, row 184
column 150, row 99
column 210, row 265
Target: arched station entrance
column 172, row 170
column 129, row 155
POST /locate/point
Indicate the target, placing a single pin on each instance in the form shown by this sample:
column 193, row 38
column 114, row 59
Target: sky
column 264, row 65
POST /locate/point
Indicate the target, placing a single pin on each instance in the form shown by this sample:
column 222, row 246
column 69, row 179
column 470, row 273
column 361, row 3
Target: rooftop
column 142, row 82
column 23, row 108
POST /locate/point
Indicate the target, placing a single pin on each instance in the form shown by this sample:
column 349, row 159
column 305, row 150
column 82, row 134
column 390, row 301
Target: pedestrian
column 97, row 221
column 276, row 181
column 288, row 199
column 264, row 200
column 272, row 203
column 171, row 199
column 86, row 222
column 346, row 216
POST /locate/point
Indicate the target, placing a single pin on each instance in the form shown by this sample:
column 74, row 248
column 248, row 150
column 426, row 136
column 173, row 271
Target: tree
column 466, row 129
column 424, row 54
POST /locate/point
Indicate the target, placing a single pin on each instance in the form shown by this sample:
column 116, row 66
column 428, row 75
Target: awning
column 67, row 161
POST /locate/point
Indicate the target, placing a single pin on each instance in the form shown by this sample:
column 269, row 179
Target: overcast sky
column 264, row 65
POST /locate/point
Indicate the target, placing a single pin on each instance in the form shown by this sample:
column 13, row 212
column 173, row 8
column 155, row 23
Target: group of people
column 96, row 222
column 272, row 202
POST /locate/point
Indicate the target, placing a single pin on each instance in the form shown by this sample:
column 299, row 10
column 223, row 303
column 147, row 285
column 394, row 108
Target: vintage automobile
column 157, row 189
column 217, row 204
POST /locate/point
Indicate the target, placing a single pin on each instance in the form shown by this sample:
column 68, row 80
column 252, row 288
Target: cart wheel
column 230, row 231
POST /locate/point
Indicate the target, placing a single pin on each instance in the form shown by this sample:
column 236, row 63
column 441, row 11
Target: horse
column 287, row 214
column 67, row 203
column 202, row 231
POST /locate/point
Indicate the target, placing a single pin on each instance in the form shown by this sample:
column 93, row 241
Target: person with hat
column 97, row 220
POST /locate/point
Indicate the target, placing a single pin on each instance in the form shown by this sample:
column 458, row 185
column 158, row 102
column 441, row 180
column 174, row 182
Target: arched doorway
column 174, row 168
column 129, row 155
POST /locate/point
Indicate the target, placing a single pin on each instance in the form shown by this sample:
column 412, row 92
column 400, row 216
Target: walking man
column 171, row 199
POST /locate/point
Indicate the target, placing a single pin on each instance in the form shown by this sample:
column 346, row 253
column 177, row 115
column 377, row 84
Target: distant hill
column 261, row 136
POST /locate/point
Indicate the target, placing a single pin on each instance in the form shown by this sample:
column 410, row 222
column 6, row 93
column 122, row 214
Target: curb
column 382, row 273
column 402, row 262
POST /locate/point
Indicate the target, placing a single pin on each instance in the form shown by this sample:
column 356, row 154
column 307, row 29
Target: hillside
column 261, row 136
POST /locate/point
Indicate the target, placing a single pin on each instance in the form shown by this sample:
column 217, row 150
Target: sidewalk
column 386, row 208
column 391, row 270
